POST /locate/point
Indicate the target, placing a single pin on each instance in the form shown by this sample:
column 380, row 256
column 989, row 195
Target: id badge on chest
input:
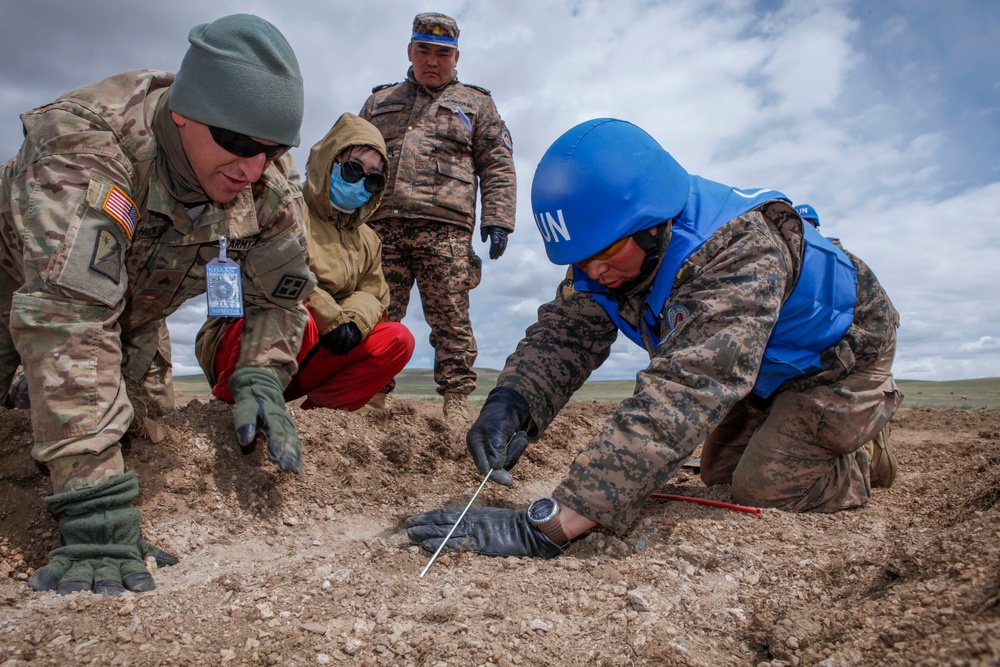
column 224, row 285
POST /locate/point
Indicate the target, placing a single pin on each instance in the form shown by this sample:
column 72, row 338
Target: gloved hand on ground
column 491, row 531
column 102, row 546
column 260, row 403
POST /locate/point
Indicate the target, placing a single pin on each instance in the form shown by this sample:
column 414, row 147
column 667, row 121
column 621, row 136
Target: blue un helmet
column 807, row 212
column 601, row 181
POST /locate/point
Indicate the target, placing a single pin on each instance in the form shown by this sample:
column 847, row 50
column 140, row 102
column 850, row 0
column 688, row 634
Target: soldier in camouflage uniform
column 445, row 140
column 767, row 344
column 109, row 214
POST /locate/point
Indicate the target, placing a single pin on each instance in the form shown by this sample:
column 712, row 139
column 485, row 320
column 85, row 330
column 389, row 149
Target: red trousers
column 338, row 381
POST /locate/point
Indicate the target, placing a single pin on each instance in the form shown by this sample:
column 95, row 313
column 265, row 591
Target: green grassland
column 418, row 383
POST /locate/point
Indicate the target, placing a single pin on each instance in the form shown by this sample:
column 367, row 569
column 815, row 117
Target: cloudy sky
column 885, row 116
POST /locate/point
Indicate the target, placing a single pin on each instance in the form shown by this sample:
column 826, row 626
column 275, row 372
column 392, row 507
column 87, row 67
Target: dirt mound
column 316, row 568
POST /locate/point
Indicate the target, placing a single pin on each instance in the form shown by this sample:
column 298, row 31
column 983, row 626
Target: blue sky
column 884, row 115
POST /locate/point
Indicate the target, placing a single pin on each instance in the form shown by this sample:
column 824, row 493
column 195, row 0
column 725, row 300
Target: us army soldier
column 117, row 204
column 446, row 141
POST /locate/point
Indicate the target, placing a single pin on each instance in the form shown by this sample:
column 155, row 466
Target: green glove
column 102, row 547
column 260, row 402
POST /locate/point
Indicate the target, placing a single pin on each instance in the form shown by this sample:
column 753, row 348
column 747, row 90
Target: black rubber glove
column 497, row 439
column 498, row 240
column 261, row 403
column 491, row 531
column 19, row 392
column 341, row 340
column 102, row 547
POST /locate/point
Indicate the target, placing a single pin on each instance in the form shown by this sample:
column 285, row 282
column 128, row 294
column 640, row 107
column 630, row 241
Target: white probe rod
column 457, row 521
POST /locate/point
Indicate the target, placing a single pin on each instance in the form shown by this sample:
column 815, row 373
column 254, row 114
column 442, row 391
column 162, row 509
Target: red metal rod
column 714, row 503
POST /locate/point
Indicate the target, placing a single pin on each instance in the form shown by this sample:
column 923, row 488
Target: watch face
column 542, row 510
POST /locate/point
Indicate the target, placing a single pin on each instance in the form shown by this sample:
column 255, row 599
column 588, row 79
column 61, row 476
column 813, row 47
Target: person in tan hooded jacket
column 349, row 349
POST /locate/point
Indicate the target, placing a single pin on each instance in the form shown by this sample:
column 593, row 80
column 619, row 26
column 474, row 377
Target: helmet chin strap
column 650, row 244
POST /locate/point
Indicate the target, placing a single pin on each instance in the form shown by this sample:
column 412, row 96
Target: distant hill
column 419, row 383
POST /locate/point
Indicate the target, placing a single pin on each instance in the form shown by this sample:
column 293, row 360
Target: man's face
column 433, row 65
column 613, row 271
column 221, row 174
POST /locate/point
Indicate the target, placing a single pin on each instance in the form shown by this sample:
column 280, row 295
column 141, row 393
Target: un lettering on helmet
column 552, row 228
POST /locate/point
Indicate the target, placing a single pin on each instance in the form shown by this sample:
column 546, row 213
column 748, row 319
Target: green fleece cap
column 241, row 74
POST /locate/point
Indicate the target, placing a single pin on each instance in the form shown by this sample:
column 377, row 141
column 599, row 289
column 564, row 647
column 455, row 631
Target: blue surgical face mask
column 347, row 197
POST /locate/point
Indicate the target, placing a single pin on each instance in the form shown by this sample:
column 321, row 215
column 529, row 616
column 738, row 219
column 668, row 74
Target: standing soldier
column 121, row 205
column 445, row 140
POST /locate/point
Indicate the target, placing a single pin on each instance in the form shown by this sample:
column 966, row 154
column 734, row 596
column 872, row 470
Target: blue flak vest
column 815, row 315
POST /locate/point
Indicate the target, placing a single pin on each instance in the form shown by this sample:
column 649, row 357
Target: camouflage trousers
column 803, row 452
column 439, row 258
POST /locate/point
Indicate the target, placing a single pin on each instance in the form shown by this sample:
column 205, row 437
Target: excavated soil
column 316, row 568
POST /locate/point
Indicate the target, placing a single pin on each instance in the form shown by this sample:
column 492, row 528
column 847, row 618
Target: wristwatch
column 543, row 513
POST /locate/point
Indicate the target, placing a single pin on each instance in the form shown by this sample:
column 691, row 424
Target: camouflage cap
column 434, row 28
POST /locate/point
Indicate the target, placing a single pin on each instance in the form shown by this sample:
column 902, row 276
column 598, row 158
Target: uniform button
column 395, row 210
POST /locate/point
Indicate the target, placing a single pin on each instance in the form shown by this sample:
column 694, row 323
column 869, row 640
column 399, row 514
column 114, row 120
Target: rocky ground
column 316, row 568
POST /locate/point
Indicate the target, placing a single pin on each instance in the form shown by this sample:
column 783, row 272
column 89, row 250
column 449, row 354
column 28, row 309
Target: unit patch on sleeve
column 505, row 137
column 121, row 208
column 107, row 258
column 675, row 315
column 290, row 287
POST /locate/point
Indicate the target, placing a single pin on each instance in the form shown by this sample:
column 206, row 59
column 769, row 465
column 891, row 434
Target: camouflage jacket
column 78, row 258
column 730, row 291
column 440, row 143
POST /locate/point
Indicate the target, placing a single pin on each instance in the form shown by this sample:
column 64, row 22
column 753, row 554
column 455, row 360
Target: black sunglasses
column 353, row 171
column 243, row 146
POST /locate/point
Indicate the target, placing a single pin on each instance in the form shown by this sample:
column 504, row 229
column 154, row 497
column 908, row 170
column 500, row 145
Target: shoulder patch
column 290, row 287
column 505, row 137
column 122, row 210
column 479, row 88
column 384, row 86
column 675, row 315
column 107, row 256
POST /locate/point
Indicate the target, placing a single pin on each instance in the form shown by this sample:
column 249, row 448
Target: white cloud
column 984, row 344
column 881, row 115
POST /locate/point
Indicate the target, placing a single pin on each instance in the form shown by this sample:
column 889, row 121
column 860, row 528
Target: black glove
column 19, row 397
column 102, row 547
column 498, row 240
column 496, row 440
column 261, row 403
column 491, row 531
column 341, row 340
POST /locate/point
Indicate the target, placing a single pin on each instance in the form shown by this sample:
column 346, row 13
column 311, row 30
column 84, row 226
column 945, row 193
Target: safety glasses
column 607, row 253
column 243, row 146
column 353, row 171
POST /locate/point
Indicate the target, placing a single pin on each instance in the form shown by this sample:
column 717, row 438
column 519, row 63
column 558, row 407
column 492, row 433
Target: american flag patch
column 118, row 205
